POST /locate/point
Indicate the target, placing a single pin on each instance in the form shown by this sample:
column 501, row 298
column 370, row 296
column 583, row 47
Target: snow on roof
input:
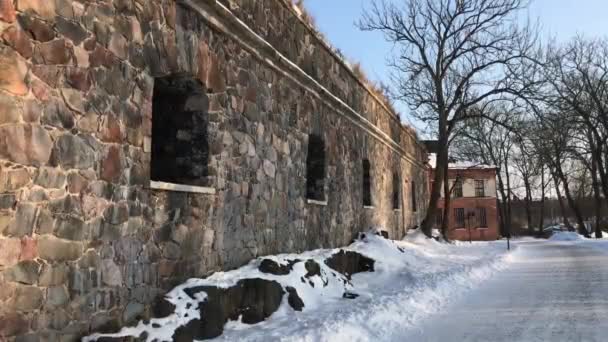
column 460, row 165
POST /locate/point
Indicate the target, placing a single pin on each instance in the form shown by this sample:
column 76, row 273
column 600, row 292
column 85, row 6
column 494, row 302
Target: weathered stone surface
column 31, row 111
column 43, row 8
column 25, row 144
column 110, row 273
column 9, row 112
column 73, row 99
column 132, row 312
column 111, row 165
column 58, row 51
column 12, row 323
column 29, row 249
column 48, row 177
column 57, row 114
column 12, row 72
column 40, row 30
column 13, row 179
column 53, row 274
column 9, row 251
column 269, row 168
column 7, row 13
column 23, row 223
column 25, row 272
column 73, row 152
column 54, row 249
column 26, row 298
column 56, row 296
column 18, row 40
column 349, row 263
column 118, row 45
column 71, row 30
column 71, row 228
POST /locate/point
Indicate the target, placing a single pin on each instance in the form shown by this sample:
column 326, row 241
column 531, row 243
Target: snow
column 460, row 165
column 549, row 291
column 566, row 236
column 413, row 278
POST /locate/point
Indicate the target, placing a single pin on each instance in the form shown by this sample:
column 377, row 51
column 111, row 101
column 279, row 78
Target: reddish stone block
column 12, row 72
column 78, row 78
column 25, row 144
column 111, row 166
column 12, row 324
column 18, row 40
column 7, row 11
column 58, row 51
column 111, row 131
column 29, row 249
column 10, row 249
column 43, row 8
column 40, row 90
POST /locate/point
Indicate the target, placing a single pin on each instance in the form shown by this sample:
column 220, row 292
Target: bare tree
column 453, row 55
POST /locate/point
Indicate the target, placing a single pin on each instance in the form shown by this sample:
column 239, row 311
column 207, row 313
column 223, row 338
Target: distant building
column 473, row 206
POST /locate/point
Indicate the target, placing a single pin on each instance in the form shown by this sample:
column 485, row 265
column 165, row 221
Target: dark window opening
column 367, row 184
column 459, row 217
column 457, row 191
column 480, row 188
column 315, row 168
column 483, row 218
column 396, row 197
column 414, row 204
column 180, row 148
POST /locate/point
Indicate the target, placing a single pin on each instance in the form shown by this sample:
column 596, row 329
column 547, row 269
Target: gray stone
column 54, row 249
column 25, row 272
column 171, row 250
column 50, row 178
column 71, row 29
column 269, row 168
column 53, row 274
column 110, row 273
column 132, row 311
column 71, row 228
column 57, row 114
column 56, row 296
column 26, row 298
column 25, row 144
column 73, row 152
column 23, row 223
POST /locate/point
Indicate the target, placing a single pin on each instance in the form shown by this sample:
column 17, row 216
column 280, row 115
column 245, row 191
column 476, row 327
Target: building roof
column 460, row 165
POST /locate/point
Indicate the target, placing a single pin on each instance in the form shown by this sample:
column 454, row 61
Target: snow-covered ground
column 412, row 279
column 552, row 290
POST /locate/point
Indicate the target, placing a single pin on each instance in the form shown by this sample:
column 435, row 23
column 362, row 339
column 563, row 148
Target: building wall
column 87, row 241
column 470, row 203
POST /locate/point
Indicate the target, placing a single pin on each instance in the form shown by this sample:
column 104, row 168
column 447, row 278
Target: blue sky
column 335, row 18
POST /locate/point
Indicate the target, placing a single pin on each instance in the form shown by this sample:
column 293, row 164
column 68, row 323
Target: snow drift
column 374, row 289
column 566, row 236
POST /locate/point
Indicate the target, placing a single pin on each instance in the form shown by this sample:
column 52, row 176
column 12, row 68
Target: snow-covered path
column 552, row 291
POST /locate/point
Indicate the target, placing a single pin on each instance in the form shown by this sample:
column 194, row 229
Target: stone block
column 54, row 52
column 26, row 298
column 18, row 40
column 112, row 165
column 23, row 222
column 73, row 152
column 25, row 144
column 29, row 249
column 7, row 11
column 73, row 99
column 110, row 273
column 13, row 179
column 39, row 30
column 13, row 71
column 10, row 249
column 43, row 8
column 48, row 177
column 71, row 228
column 25, row 272
column 71, row 29
column 12, row 324
column 56, row 297
column 53, row 275
column 133, row 311
column 54, row 249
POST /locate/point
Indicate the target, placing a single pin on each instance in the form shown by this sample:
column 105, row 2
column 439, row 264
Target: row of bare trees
column 494, row 93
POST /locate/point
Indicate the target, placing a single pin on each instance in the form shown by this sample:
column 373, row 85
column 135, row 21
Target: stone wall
column 87, row 241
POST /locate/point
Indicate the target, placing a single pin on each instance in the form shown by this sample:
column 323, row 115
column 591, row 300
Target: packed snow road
column 551, row 291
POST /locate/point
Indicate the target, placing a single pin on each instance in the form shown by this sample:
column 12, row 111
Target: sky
column 561, row 19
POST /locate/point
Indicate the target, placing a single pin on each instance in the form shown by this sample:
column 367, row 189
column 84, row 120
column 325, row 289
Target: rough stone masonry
column 143, row 142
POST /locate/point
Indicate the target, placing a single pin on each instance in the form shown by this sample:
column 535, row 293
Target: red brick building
column 473, row 206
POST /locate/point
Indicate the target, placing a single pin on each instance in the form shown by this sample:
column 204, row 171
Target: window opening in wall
column 483, row 218
column 315, row 168
column 180, row 148
column 480, row 188
column 459, row 217
column 457, row 191
column 367, row 184
column 396, row 197
column 414, row 204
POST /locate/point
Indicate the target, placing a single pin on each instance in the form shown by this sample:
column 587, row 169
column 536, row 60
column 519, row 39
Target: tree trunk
column 572, row 203
column 560, row 199
column 528, row 204
column 541, row 221
column 446, row 203
column 508, row 209
column 431, row 213
column 597, row 196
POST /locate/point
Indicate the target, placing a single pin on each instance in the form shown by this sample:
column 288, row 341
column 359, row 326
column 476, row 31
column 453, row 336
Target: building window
column 483, row 219
column 315, row 168
column 396, row 197
column 459, row 217
column 180, row 148
column 457, row 191
column 414, row 204
column 367, row 184
column 480, row 188
column 439, row 217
